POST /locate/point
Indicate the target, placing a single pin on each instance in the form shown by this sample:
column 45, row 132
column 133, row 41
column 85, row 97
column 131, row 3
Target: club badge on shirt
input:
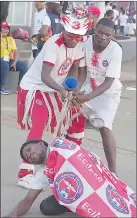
column 105, row 63
column 65, row 66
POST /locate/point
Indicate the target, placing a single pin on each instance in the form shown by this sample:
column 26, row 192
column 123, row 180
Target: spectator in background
column 134, row 25
column 130, row 28
column 92, row 13
column 116, row 16
column 134, row 16
column 121, row 10
column 52, row 22
column 109, row 14
column 38, row 20
column 9, row 57
column 123, row 21
column 108, row 6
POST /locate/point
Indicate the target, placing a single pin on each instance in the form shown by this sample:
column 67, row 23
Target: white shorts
column 105, row 107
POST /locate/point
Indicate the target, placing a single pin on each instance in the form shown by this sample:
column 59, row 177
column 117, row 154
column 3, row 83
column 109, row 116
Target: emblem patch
column 63, row 143
column 68, row 187
column 116, row 200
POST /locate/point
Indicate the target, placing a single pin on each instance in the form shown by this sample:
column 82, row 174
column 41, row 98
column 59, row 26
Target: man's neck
column 40, row 9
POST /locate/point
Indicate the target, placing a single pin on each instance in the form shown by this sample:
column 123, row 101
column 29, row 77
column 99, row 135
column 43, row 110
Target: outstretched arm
column 24, row 205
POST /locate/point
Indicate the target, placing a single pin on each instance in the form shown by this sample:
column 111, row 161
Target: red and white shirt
column 80, row 181
column 56, row 54
column 102, row 65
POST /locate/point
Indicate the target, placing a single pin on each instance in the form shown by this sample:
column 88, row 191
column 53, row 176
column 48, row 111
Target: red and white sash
column 80, row 181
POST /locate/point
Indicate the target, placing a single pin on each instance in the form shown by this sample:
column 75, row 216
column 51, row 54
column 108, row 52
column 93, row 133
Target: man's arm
column 24, row 205
column 47, row 79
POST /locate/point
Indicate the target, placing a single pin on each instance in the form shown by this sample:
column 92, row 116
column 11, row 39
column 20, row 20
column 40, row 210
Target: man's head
column 40, row 5
column 53, row 7
column 74, row 29
column 103, row 33
column 71, row 39
column 34, row 151
column 114, row 7
column 109, row 14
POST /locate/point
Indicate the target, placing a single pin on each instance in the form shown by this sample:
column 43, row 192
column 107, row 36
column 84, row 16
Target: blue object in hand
column 71, row 83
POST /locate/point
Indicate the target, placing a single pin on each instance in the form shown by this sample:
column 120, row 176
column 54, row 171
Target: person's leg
column 39, row 117
column 35, row 52
column 120, row 30
column 50, row 207
column 115, row 29
column 109, row 145
column 106, row 106
column 22, row 68
column 4, row 71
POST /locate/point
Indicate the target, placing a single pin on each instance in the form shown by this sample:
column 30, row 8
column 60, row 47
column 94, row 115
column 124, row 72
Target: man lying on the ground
column 79, row 181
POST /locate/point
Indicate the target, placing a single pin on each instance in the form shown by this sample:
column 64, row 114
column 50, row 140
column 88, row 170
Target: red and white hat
column 91, row 9
column 75, row 25
column 5, row 24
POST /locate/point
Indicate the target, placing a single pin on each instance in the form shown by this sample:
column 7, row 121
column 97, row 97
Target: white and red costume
column 39, row 105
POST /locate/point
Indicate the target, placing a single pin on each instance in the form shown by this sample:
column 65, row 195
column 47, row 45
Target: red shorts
column 39, row 116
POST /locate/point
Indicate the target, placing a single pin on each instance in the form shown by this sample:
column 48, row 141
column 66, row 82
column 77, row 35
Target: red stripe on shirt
column 49, row 63
column 79, row 59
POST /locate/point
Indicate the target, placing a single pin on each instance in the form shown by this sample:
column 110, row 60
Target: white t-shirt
column 116, row 13
column 128, row 29
column 101, row 65
column 123, row 19
column 39, row 17
column 46, row 21
column 134, row 16
column 108, row 7
column 57, row 55
column 40, row 180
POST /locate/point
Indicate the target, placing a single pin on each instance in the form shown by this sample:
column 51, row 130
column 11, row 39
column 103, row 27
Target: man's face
column 35, row 153
column 103, row 35
column 39, row 5
column 71, row 39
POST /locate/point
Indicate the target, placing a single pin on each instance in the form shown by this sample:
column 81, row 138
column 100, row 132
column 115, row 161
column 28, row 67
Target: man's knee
column 50, row 206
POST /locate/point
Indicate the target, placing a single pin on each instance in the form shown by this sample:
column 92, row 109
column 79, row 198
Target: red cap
column 5, row 24
column 93, row 10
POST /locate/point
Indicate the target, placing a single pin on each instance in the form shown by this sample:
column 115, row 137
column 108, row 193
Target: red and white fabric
column 80, row 181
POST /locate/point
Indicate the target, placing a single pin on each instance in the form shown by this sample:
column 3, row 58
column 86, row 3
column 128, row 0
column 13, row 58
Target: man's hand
column 14, row 65
column 63, row 94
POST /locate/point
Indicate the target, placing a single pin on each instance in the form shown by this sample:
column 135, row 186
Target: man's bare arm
column 47, row 79
column 24, row 205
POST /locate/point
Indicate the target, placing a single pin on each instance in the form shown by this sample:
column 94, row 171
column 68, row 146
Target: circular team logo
column 116, row 200
column 68, row 187
column 64, row 144
column 65, row 66
column 133, row 196
column 105, row 63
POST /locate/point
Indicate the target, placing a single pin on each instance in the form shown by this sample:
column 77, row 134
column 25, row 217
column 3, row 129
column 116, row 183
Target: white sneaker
column 26, row 181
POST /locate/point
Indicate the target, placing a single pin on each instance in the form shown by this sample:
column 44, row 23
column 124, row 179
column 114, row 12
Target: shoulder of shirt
column 56, row 39
column 115, row 45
